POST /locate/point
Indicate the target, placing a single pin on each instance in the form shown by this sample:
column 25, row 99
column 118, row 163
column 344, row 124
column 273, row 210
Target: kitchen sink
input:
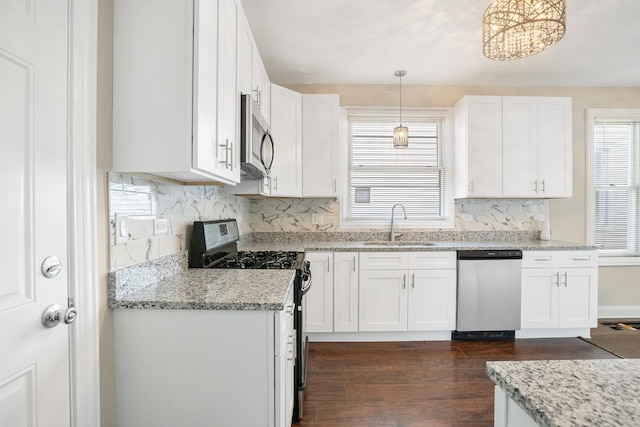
column 386, row 243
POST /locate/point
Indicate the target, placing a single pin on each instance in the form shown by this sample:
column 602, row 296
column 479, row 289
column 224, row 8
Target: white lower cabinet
column 559, row 289
column 345, row 291
column 204, row 367
column 318, row 302
column 395, row 297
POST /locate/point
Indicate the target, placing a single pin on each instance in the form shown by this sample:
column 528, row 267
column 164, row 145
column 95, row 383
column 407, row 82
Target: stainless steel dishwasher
column 489, row 290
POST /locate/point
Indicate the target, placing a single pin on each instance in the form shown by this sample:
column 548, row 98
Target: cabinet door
column 206, row 148
column 318, row 302
column 286, row 129
column 554, row 147
column 228, row 95
column 432, row 300
column 320, row 114
column 578, row 298
column 478, row 146
column 245, row 54
column 345, row 292
column 539, row 298
column 519, row 146
column 383, row 300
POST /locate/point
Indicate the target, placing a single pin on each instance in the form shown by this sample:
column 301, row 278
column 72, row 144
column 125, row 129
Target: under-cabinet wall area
column 140, row 201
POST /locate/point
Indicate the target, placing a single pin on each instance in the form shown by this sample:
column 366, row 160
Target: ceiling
column 438, row 42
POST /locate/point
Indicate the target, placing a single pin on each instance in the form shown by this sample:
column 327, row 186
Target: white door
column 34, row 360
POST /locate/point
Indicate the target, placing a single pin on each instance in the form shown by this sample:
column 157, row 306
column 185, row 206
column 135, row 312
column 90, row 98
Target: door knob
column 54, row 314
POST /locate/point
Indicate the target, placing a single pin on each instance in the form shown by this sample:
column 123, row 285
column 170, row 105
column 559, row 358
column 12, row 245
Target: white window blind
column 616, row 144
column 379, row 175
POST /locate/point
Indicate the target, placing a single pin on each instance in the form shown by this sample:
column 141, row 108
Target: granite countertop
column 168, row 284
column 407, row 246
column 573, row 392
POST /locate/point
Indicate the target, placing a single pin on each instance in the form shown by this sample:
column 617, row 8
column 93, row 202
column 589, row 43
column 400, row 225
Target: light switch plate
column 122, row 235
column 160, row 226
column 317, row 219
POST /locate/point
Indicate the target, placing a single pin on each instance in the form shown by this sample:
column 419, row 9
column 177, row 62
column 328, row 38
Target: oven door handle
column 303, row 382
column 306, row 284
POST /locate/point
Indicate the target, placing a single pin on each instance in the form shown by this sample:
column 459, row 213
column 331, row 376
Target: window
column 378, row 175
column 615, row 184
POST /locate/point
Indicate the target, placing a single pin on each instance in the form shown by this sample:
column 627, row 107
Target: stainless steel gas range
column 214, row 244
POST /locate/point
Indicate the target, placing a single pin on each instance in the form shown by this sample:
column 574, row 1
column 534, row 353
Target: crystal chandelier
column 401, row 133
column 513, row 29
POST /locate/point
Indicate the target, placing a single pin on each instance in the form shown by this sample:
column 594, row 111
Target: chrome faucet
column 392, row 238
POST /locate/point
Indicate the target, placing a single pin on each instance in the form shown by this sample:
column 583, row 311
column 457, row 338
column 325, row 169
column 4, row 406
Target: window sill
column 618, row 261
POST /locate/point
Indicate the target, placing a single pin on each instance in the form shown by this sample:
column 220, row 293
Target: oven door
column 302, row 341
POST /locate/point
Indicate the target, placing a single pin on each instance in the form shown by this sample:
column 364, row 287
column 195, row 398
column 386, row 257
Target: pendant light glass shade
column 514, row 29
column 401, row 137
column 401, row 133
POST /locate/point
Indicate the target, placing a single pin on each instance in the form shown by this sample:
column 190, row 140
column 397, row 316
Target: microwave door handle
column 264, row 137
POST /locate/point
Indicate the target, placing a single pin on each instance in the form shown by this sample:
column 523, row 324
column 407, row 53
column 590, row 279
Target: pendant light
column 401, row 133
column 513, row 29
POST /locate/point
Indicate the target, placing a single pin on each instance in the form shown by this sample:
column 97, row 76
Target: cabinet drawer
column 578, row 258
column 384, row 260
column 432, row 260
column 540, row 259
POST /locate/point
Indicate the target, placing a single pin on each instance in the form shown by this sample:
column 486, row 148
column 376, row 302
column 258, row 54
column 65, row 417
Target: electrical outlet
column 122, row 236
column 160, row 226
column 317, row 219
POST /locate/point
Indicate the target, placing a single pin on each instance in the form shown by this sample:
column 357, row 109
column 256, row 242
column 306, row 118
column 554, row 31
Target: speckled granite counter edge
column 122, row 282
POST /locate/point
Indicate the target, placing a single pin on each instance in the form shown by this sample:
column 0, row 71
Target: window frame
column 604, row 258
column 447, row 221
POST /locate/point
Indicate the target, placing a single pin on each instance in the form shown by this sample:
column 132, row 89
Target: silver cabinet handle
column 557, row 281
column 472, row 186
column 328, row 270
column 335, row 185
column 404, row 281
column 413, row 280
column 535, row 185
column 354, row 263
column 543, row 186
column 565, row 279
column 275, row 183
column 542, row 259
column 581, row 259
column 231, row 156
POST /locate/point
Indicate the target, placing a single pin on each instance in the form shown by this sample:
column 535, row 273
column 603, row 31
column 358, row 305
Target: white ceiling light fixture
column 514, row 29
column 401, row 133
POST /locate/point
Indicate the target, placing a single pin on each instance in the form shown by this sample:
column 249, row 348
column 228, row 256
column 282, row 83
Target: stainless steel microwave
column 257, row 147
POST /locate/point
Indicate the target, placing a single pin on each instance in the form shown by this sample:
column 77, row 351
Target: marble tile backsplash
column 143, row 199
column 470, row 215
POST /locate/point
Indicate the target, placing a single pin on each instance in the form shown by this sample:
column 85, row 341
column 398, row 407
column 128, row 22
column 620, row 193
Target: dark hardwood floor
column 412, row 384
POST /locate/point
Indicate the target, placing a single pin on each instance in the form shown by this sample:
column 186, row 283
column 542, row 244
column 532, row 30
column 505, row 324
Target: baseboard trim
column 379, row 336
column 619, row 312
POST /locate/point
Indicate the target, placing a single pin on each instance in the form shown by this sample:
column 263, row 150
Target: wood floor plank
column 412, row 384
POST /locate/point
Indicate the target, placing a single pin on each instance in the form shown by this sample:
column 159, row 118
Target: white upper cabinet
column 320, row 115
column 261, row 85
column 286, row 129
column 175, row 100
column 513, row 147
column 478, row 146
column 536, row 147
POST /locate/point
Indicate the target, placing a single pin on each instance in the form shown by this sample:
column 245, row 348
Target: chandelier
column 513, row 29
column 401, row 133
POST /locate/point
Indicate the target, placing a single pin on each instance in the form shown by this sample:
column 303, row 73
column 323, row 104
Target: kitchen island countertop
column 572, row 393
